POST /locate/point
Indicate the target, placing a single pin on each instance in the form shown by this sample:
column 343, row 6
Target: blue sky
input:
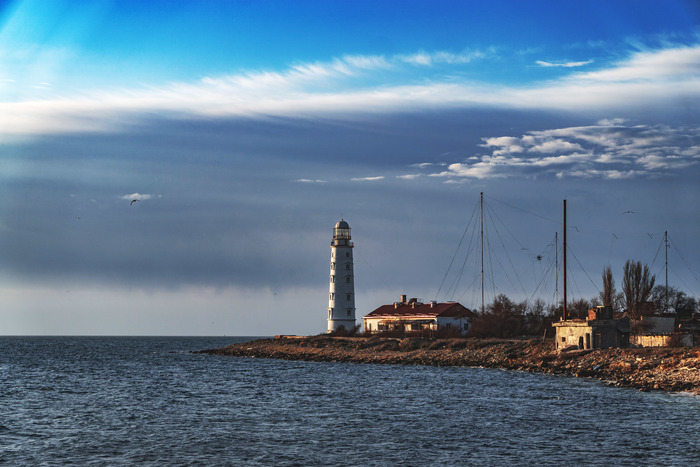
column 247, row 129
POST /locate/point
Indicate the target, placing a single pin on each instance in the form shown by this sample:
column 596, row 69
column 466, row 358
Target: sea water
column 150, row 401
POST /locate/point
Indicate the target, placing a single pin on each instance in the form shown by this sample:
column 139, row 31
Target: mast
column 564, row 276
column 556, row 269
column 482, row 250
column 666, row 299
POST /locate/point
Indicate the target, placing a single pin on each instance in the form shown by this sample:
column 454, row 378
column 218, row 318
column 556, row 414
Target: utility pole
column 564, row 252
column 666, row 243
column 556, row 269
column 482, row 251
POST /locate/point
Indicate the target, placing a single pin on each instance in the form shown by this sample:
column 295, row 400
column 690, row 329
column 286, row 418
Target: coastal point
column 646, row 369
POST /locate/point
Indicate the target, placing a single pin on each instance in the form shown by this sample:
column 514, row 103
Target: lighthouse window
column 332, row 279
column 347, row 266
column 333, row 266
column 331, row 296
column 347, row 254
column 347, row 279
column 330, row 311
column 348, row 310
column 348, row 296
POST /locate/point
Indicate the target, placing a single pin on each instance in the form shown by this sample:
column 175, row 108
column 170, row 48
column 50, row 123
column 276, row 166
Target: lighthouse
column 341, row 293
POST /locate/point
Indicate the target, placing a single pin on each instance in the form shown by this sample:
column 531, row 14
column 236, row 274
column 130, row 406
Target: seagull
column 132, row 201
column 628, row 212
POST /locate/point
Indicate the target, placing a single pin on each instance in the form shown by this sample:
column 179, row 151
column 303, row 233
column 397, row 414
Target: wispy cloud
column 676, row 64
column 368, row 179
column 608, row 149
column 309, row 180
column 427, row 59
column 545, row 64
column 358, row 85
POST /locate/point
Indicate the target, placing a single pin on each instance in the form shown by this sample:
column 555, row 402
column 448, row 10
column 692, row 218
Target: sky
column 246, row 129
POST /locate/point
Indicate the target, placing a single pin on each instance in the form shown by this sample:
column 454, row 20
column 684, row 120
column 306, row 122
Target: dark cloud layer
column 225, row 206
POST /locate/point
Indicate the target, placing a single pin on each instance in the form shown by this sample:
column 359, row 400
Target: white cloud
column 611, row 122
column 427, row 59
column 309, row 180
column 673, row 63
column 368, row 179
column 478, row 170
column 607, row 150
column 555, row 145
column 563, row 64
column 408, row 176
column 359, row 84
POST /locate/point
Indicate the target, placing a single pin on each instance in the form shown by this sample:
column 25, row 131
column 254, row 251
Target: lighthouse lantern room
column 341, row 293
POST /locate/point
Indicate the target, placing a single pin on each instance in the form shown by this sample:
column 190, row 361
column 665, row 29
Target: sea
column 151, row 401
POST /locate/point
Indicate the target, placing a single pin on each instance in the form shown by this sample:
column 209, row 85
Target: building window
column 563, row 339
column 332, row 279
column 330, row 313
column 347, row 266
column 348, row 296
column 347, row 279
column 332, row 266
column 347, row 254
column 349, row 311
column 331, row 296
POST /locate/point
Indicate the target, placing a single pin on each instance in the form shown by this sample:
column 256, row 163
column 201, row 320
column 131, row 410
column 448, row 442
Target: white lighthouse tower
column 341, row 293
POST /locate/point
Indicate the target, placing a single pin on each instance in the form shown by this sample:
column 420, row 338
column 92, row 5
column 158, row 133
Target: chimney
column 396, row 304
column 403, row 299
column 433, row 303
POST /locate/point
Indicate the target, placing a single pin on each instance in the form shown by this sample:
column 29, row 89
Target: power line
column 524, row 210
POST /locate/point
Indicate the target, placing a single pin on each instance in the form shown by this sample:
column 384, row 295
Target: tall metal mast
column 666, row 243
column 556, row 269
column 482, row 251
column 564, row 252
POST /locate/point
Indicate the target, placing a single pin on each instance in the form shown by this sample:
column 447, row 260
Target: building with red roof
column 413, row 315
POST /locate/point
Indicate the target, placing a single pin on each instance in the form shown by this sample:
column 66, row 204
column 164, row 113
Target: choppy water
column 147, row 400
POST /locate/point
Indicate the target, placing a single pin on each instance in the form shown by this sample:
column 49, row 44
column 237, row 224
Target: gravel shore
column 666, row 369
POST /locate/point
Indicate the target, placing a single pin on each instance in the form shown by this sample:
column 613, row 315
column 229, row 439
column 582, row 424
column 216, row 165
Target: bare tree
column 608, row 293
column 637, row 285
column 578, row 309
column 675, row 301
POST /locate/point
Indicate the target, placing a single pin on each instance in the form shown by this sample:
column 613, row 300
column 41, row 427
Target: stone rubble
column 666, row 369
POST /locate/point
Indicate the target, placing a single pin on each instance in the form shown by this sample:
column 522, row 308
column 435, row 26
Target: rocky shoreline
column 647, row 369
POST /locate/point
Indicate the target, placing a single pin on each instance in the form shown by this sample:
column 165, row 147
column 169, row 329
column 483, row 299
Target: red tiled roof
column 444, row 310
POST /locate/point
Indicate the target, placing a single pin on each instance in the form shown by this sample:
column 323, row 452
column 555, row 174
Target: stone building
column 598, row 331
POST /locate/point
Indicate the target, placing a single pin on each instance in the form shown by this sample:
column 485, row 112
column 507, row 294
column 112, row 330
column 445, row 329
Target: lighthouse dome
column 342, row 225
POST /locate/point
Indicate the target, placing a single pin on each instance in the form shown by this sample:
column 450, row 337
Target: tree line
column 639, row 296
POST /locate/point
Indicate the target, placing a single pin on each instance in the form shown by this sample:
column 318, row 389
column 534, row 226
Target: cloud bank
column 608, row 149
column 357, row 84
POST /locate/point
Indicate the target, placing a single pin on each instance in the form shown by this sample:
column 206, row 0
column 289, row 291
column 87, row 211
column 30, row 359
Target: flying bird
column 628, row 212
column 133, row 201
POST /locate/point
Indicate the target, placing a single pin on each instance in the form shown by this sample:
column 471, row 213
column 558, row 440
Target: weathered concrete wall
column 577, row 334
column 662, row 340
